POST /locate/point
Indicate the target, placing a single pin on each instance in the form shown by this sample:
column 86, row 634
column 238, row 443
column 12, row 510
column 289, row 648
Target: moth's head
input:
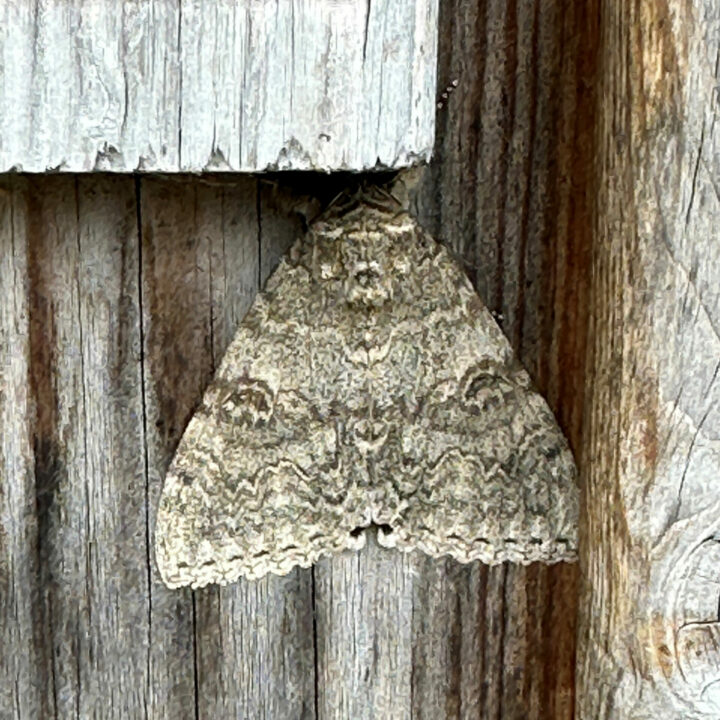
column 361, row 252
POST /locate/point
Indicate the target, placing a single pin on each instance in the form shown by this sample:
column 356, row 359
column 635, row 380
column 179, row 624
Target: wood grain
column 79, row 405
column 249, row 647
column 508, row 191
column 22, row 611
column 650, row 626
column 181, row 85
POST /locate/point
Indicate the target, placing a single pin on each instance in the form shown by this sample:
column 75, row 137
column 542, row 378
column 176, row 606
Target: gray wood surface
column 508, row 190
column 244, row 85
column 125, row 293
column 251, row 644
column 22, row 629
column 650, row 633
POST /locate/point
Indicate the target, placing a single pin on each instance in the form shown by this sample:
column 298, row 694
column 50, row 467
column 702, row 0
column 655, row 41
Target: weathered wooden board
column 76, row 479
column 174, row 262
column 508, row 190
column 182, row 85
column 251, row 643
column 650, row 626
column 21, row 614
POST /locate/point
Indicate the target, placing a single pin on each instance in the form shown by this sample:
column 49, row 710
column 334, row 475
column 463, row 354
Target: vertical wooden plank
column 16, row 51
column 387, row 25
column 176, row 367
column 212, row 99
column 650, row 627
column 116, row 559
column 25, row 676
column 363, row 604
column 88, row 596
column 494, row 193
column 448, row 616
column 60, row 473
column 49, row 57
column 250, row 645
column 491, row 642
column 255, row 647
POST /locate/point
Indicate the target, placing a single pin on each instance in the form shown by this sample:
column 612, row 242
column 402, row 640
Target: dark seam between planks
column 143, row 402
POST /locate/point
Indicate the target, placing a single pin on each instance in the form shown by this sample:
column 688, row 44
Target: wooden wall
column 119, row 295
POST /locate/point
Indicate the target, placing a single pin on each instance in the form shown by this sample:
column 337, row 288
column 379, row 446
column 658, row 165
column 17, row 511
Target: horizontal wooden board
column 244, row 85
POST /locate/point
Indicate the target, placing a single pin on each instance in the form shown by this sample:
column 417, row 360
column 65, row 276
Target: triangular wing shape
column 476, row 466
column 367, row 384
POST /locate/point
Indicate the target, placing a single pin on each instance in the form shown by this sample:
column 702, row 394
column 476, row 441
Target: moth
column 367, row 385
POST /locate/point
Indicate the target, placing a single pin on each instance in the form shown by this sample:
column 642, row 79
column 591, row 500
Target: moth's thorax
column 363, row 257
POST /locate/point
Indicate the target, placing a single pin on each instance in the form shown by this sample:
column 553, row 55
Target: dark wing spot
column 481, row 381
column 250, row 403
column 185, row 477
